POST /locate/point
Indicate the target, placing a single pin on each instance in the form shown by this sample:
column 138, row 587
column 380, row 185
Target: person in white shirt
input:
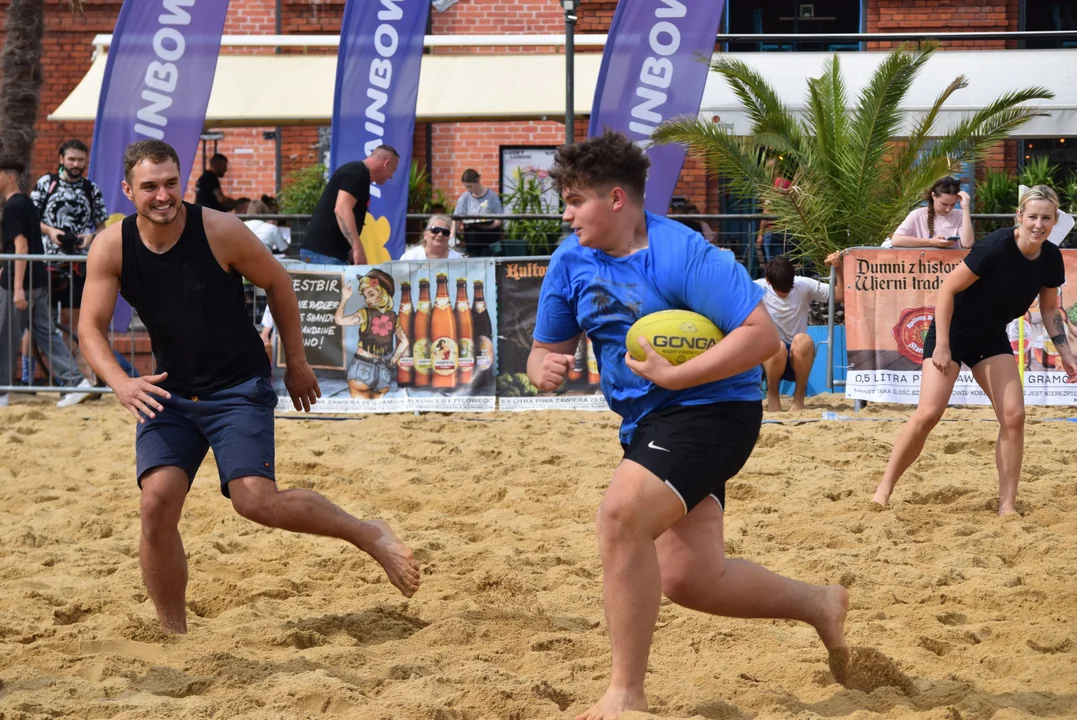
column 788, row 300
column 267, row 232
column 439, row 234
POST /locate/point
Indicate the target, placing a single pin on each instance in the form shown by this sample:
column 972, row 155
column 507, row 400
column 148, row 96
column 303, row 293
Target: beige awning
column 265, row 90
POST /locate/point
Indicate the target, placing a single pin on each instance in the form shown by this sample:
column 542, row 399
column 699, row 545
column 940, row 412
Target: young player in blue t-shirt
column 686, row 429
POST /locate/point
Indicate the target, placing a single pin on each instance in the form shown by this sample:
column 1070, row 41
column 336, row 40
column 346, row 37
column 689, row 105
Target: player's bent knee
column 160, row 515
column 617, row 516
column 802, row 345
column 1013, row 418
column 679, row 587
column 255, row 509
column 928, row 418
column 255, row 501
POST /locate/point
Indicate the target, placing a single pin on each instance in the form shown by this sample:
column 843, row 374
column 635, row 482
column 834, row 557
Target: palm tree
column 20, row 64
column 853, row 176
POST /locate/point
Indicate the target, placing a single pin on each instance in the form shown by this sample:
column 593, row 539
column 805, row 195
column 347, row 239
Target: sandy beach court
column 978, row 613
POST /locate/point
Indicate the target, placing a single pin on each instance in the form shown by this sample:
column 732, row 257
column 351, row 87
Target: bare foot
column 797, row 405
column 882, row 496
column 830, row 622
column 1004, row 510
column 173, row 626
column 613, row 703
column 394, row 557
column 774, row 404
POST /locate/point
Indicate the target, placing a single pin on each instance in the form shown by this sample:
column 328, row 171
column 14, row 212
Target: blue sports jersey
column 587, row 290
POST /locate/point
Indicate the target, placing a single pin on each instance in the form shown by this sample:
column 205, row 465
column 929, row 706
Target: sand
column 961, row 614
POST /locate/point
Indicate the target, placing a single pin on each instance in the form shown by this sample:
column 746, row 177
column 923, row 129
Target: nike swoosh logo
column 652, row 446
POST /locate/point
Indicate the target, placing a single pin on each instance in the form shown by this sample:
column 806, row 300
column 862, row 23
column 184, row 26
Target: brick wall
column 66, row 57
column 952, row 16
column 252, row 160
column 944, row 15
column 456, row 146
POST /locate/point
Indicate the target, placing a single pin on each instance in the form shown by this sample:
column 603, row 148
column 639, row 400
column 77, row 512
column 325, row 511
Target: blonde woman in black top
column 998, row 280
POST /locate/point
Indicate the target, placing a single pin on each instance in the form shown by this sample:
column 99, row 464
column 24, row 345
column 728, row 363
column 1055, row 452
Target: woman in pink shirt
column 938, row 225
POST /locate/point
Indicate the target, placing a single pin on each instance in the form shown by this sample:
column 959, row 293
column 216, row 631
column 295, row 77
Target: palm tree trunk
column 20, row 63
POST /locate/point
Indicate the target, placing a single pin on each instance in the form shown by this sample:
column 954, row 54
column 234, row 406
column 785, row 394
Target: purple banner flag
column 651, row 72
column 158, row 77
column 381, row 50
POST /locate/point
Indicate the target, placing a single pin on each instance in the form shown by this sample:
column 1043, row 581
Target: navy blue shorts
column 236, row 422
column 789, row 374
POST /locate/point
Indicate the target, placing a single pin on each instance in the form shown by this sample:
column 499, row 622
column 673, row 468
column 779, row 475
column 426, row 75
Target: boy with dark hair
column 686, row 429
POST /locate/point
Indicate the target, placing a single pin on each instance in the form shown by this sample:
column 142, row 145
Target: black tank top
column 194, row 311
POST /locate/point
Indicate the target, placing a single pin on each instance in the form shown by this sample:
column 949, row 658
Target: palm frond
column 760, row 101
column 852, row 175
column 923, row 129
column 877, row 119
column 722, row 153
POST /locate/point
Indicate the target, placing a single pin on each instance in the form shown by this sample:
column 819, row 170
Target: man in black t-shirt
column 207, row 191
column 333, row 234
column 24, row 297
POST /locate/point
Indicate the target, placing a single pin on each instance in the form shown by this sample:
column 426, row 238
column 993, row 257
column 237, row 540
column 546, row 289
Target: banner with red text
column 889, row 305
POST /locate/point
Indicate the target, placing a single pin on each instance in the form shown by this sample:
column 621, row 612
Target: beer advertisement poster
column 889, row 306
column 399, row 336
column 518, row 285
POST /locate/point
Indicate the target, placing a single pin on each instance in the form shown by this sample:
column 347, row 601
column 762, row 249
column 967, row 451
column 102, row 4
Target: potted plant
column 299, row 196
column 530, row 196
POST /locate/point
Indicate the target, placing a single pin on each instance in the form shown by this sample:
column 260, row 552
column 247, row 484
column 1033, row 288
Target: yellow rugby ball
column 676, row 335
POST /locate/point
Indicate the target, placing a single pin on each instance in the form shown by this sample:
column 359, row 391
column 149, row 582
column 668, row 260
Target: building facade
column 446, row 149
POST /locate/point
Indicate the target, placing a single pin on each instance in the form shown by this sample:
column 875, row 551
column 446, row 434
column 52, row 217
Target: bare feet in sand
column 831, row 618
column 613, row 703
column 1008, row 508
column 774, row 405
column 882, row 495
column 394, row 557
column 796, row 406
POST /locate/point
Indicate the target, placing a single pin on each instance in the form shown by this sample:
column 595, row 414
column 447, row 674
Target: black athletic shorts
column 969, row 350
column 695, row 449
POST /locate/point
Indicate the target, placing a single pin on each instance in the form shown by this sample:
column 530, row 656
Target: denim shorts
column 375, row 374
column 236, row 422
column 309, row 256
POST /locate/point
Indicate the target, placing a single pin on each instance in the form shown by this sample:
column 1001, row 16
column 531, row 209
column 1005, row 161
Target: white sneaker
column 3, row 400
column 74, row 398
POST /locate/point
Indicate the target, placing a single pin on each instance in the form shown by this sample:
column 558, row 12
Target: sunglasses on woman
column 445, row 232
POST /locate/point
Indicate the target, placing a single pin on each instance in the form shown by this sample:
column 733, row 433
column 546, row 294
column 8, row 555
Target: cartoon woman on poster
column 370, row 374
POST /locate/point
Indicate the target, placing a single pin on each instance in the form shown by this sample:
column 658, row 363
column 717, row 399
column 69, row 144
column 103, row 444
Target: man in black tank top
column 182, row 268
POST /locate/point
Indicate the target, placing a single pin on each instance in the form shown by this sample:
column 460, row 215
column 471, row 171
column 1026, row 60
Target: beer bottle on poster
column 420, row 348
column 576, row 373
column 443, row 350
column 464, row 335
column 593, row 378
column 405, row 370
column 483, row 329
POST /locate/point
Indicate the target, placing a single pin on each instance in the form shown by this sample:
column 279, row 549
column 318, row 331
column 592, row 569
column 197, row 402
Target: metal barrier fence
column 737, row 232
column 45, row 333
